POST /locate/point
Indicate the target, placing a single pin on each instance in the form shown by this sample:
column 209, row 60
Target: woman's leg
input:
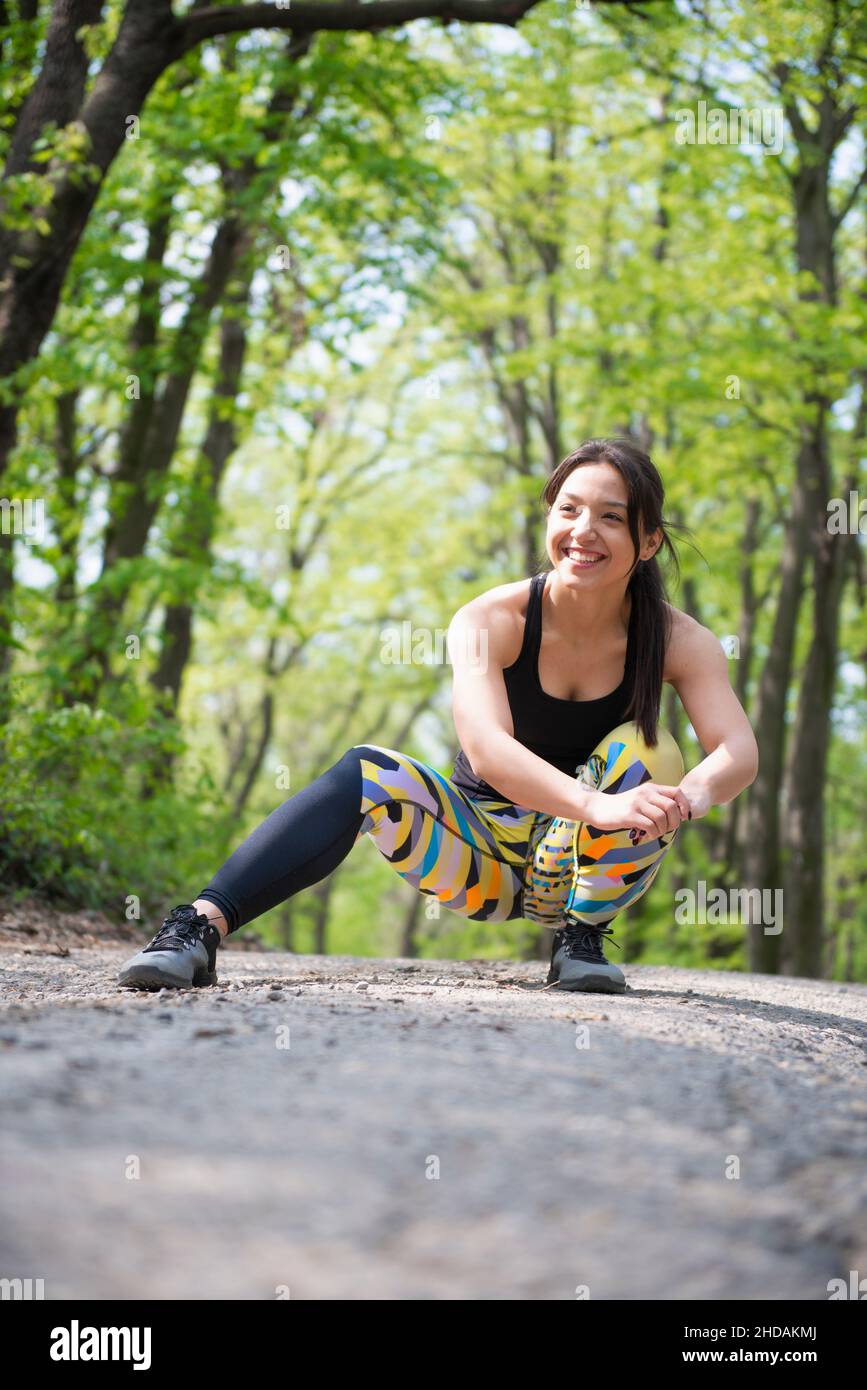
column 470, row 855
column 586, row 875
column 298, row 844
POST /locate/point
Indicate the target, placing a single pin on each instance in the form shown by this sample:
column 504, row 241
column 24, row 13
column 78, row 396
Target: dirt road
column 324, row 1127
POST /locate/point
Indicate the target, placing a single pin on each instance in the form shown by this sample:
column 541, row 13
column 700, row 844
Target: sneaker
column 183, row 953
column 577, row 961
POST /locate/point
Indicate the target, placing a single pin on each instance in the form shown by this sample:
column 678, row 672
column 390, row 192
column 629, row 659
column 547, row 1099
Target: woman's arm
column 478, row 640
column 698, row 670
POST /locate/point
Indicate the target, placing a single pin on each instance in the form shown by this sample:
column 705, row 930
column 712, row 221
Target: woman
column 556, row 696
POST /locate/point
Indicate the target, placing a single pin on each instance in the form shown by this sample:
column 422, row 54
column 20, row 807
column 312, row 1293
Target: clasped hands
column 652, row 809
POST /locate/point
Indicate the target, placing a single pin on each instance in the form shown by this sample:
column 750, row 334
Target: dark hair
column 650, row 620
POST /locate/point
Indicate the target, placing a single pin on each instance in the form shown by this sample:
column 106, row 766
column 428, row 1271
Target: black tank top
column 563, row 732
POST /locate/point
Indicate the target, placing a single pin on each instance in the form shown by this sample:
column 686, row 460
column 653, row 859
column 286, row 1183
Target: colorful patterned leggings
column 489, row 860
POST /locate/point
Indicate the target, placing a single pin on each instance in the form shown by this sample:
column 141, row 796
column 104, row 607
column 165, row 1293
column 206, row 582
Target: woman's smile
column 581, row 558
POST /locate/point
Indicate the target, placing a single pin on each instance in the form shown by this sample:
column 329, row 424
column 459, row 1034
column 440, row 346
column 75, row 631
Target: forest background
column 300, row 306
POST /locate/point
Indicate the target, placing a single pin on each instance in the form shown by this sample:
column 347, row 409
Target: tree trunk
column 286, row 927
column 69, row 515
column 149, row 448
column 761, row 858
column 805, row 800
column 321, row 895
column 196, row 532
column 408, row 944
column 745, row 634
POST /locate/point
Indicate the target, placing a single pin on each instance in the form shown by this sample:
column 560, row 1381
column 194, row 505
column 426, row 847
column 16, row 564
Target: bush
column 89, row 815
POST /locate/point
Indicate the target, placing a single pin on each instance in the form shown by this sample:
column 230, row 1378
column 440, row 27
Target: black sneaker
column 577, row 961
column 183, row 953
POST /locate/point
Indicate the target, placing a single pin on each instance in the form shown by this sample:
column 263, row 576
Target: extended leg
column 301, row 842
column 471, row 856
column 435, row 836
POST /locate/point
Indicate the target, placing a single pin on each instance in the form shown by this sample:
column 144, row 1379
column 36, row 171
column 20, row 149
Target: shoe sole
column 593, row 985
column 151, row 977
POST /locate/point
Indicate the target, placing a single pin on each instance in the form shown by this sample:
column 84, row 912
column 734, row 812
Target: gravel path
column 327, row 1127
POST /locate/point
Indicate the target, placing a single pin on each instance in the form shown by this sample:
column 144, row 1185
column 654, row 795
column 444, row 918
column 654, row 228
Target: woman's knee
column 363, row 749
column 664, row 760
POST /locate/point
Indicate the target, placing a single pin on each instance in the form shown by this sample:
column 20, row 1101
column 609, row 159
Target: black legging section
column 300, row 843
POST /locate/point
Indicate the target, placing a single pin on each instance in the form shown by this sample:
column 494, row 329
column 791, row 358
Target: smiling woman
column 579, row 654
column 556, row 695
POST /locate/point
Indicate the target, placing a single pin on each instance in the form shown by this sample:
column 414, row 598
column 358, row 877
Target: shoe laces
column 180, row 930
column 583, row 941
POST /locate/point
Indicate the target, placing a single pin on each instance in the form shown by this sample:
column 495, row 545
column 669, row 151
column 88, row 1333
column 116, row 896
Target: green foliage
column 77, row 823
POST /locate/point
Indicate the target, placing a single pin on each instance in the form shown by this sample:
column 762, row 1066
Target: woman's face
column 588, row 538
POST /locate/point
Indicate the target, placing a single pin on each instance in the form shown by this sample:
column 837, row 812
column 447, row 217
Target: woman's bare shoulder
column 508, row 598
column 502, row 611
column 688, row 641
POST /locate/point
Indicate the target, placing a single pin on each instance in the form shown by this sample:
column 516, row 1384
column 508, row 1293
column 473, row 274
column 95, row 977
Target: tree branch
column 307, row 18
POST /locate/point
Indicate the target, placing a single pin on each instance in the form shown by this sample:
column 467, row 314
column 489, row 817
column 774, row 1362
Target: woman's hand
column 651, row 809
